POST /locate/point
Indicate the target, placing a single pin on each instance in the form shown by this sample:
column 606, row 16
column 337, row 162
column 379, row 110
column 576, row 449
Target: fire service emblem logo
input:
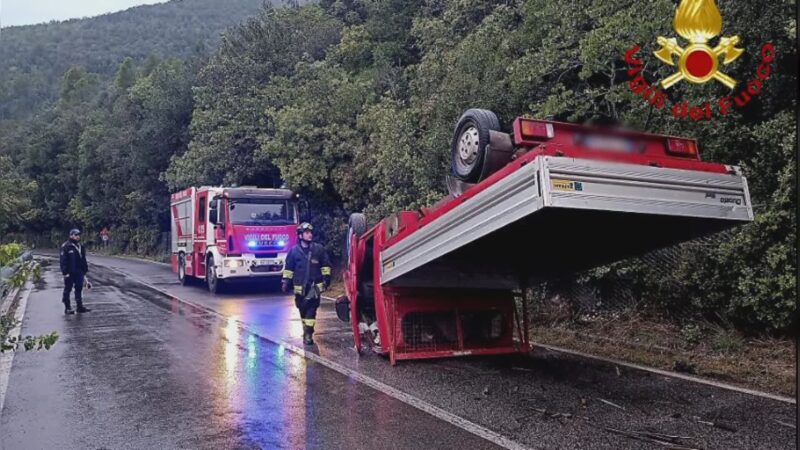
column 698, row 21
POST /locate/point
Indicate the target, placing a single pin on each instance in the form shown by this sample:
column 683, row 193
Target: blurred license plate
column 609, row 143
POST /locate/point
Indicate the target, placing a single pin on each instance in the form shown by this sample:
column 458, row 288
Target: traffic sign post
column 104, row 236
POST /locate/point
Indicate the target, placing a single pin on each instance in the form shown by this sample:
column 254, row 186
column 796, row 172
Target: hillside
column 34, row 58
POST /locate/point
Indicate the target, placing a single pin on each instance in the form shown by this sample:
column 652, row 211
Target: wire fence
column 587, row 294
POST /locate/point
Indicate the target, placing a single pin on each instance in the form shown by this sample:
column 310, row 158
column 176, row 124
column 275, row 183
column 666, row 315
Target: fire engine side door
column 200, row 237
column 218, row 217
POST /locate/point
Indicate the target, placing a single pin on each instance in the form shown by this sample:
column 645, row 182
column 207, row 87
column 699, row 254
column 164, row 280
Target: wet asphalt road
column 144, row 372
column 149, row 371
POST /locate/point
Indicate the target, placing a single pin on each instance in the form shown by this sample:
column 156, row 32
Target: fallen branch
column 790, row 425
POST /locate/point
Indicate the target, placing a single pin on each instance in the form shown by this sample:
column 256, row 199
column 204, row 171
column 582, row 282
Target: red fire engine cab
column 223, row 234
column 547, row 199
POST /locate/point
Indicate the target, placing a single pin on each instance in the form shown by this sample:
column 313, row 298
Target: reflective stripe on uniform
column 309, row 322
column 288, row 274
column 326, row 270
column 298, row 290
column 321, row 286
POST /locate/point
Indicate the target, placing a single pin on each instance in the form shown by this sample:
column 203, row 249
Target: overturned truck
column 545, row 200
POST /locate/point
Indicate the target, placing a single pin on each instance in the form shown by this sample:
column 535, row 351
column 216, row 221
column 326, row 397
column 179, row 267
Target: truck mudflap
column 556, row 215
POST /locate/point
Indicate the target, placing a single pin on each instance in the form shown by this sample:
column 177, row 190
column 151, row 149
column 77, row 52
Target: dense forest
column 34, row 58
column 353, row 102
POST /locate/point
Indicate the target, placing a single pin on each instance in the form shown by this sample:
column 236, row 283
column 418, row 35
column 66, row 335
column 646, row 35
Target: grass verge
column 699, row 348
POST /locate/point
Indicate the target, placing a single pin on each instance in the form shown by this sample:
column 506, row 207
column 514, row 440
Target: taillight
column 533, row 129
column 682, row 147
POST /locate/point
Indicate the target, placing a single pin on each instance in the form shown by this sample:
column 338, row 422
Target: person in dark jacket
column 309, row 270
column 74, row 269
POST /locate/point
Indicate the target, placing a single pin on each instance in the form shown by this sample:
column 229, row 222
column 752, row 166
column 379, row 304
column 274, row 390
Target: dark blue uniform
column 74, row 268
column 309, row 270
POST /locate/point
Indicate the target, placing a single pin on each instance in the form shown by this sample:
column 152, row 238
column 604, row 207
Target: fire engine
column 221, row 234
column 546, row 199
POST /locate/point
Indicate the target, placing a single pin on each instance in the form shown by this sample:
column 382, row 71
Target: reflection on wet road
column 145, row 371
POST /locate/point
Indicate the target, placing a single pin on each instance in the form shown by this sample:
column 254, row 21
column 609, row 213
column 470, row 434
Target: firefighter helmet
column 303, row 227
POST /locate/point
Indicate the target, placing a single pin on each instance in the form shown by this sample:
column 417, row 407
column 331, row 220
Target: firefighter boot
column 308, row 332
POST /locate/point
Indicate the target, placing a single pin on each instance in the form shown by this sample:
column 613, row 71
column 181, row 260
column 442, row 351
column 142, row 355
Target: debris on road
column 720, row 425
column 792, row 426
column 544, row 413
column 673, row 442
column 611, row 403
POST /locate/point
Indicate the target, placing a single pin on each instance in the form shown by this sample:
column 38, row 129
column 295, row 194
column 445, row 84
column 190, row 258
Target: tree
column 15, row 196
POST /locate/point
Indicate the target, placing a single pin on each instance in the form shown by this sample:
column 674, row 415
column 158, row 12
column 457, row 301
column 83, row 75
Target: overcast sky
column 25, row 12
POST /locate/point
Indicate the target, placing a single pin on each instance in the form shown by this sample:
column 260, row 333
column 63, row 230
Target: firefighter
column 74, row 269
column 309, row 270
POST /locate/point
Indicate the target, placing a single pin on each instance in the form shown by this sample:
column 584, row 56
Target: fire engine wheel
column 469, row 143
column 182, row 270
column 215, row 285
column 357, row 225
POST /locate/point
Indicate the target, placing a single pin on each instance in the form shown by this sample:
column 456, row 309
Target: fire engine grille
column 429, row 331
column 266, row 269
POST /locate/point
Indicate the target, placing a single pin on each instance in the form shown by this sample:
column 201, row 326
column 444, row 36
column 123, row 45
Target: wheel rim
column 468, row 144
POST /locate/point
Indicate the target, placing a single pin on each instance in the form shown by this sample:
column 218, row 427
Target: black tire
column 470, row 138
column 357, row 225
column 215, row 285
column 182, row 279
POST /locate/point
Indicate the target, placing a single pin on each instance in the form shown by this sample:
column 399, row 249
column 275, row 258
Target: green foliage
column 725, row 341
column 16, row 191
column 99, row 153
column 29, row 343
column 21, row 271
column 35, row 57
column 10, row 252
column 692, row 333
column 231, row 109
column 22, row 268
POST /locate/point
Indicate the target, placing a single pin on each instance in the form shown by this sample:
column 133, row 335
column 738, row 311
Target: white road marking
column 667, row 373
column 384, row 388
column 7, row 358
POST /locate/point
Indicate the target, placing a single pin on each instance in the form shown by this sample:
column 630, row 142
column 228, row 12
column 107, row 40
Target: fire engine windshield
column 261, row 212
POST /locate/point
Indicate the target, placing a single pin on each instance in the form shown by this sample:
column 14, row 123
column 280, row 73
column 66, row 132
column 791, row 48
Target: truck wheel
column 470, row 139
column 357, row 225
column 215, row 285
column 182, row 270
